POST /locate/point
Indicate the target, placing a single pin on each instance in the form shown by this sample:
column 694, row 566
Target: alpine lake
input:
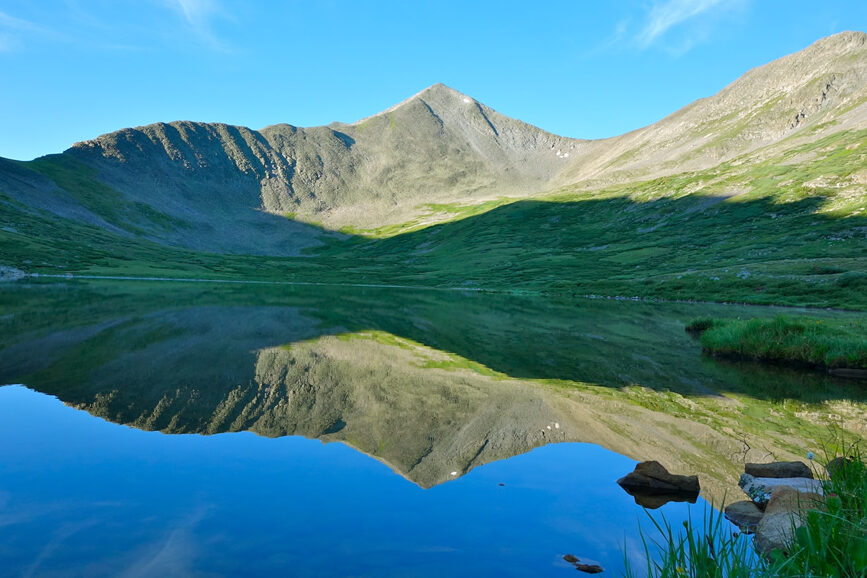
column 160, row 429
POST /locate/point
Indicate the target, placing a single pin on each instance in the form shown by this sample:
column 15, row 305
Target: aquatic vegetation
column 785, row 339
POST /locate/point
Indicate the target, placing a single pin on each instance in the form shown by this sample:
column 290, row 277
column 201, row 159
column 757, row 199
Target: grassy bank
column 832, row 541
column 789, row 340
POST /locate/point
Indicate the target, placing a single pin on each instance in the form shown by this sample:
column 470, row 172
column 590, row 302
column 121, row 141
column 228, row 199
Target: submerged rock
column 745, row 514
column 579, row 565
column 779, row 470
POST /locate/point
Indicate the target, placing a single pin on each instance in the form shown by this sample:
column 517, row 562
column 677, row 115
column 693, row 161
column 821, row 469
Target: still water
column 196, row 431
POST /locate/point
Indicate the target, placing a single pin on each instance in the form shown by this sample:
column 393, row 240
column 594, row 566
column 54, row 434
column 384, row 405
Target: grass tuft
column 784, row 339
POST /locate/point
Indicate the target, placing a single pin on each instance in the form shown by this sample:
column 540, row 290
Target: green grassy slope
column 766, row 232
column 783, row 239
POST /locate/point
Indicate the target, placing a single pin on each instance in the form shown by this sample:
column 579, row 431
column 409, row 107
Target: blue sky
column 73, row 69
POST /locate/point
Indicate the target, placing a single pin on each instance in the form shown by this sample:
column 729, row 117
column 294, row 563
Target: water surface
column 178, row 429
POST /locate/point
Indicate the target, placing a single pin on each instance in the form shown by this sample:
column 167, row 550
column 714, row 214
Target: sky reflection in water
column 81, row 495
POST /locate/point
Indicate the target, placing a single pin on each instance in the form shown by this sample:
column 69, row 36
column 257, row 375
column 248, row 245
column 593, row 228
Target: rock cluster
column 778, row 493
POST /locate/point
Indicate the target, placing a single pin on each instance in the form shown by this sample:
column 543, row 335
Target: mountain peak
column 438, row 92
column 846, row 38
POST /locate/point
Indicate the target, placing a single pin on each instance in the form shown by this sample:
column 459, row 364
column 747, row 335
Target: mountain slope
column 760, row 186
column 806, row 95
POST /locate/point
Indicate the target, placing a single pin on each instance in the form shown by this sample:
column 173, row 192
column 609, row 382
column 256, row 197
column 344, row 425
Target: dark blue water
column 82, row 496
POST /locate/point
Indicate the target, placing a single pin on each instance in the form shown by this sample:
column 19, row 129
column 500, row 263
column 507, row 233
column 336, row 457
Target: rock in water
column 745, row 514
column 652, row 477
column 579, row 565
column 779, row 470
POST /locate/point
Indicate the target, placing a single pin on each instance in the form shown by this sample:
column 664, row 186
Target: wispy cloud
column 663, row 16
column 11, row 23
column 13, row 30
column 197, row 12
column 200, row 16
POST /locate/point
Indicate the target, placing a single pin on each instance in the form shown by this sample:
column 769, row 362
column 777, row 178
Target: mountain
column 436, row 146
column 192, row 199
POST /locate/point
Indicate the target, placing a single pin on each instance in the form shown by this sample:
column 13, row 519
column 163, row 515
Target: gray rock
column 745, row 514
column 779, row 470
column 759, row 490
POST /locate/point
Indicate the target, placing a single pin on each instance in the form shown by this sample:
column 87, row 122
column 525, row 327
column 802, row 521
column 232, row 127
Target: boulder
column 653, row 478
column 779, row 470
column 838, row 466
column 745, row 514
column 782, row 516
column 759, row 490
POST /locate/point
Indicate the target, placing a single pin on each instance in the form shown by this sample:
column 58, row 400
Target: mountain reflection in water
column 430, row 383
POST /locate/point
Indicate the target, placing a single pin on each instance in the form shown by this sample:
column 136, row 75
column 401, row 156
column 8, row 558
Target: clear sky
column 73, row 69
